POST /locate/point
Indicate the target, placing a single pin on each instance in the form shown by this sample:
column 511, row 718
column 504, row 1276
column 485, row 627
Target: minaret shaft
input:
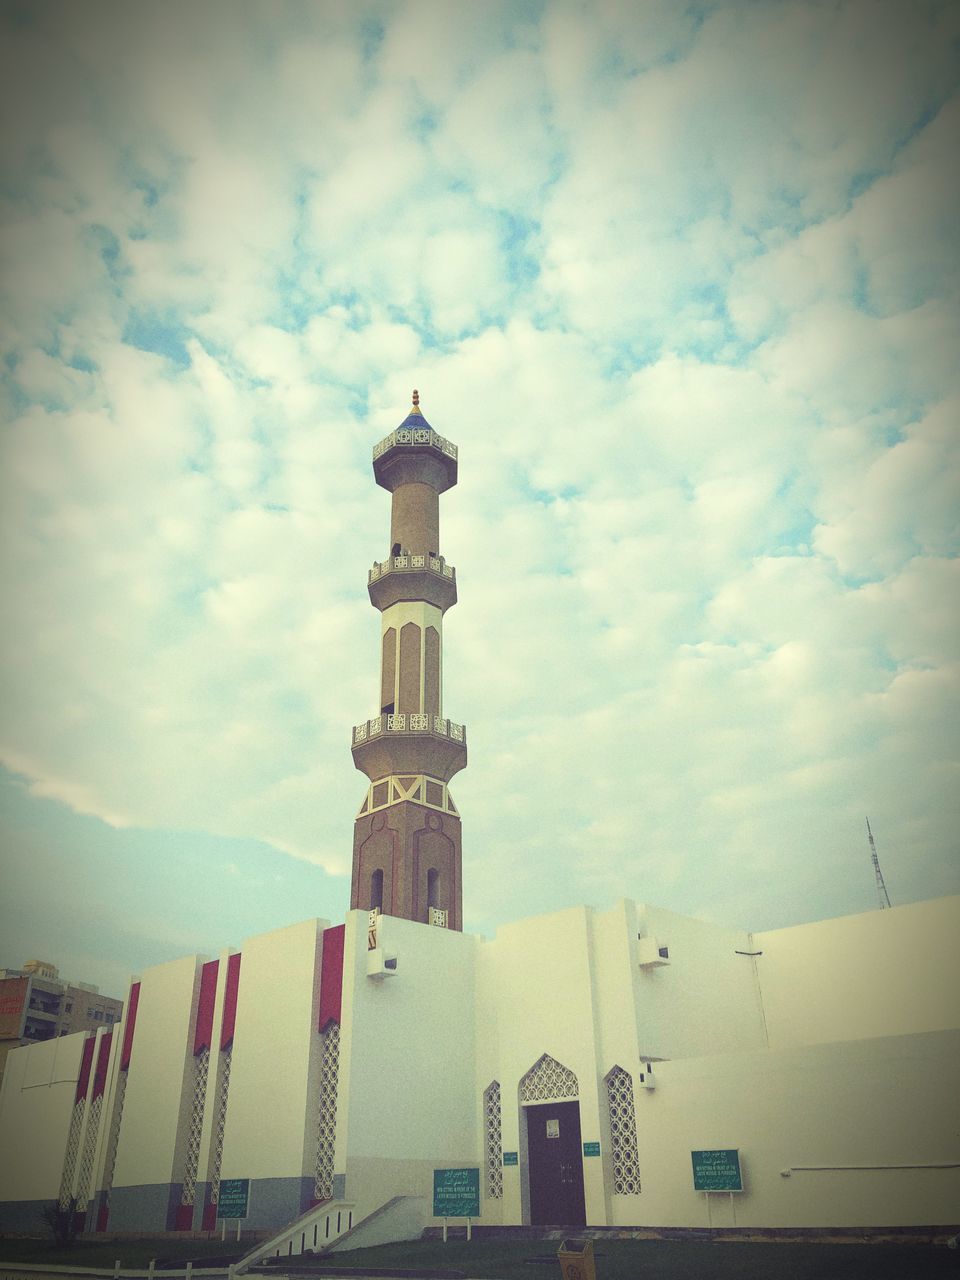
column 415, row 520
column 407, row 844
column 410, row 669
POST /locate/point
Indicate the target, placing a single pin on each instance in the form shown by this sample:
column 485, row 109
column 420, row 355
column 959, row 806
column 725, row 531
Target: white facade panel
column 156, row 1101
column 407, row 1055
column 877, row 1104
column 271, row 1121
column 36, row 1107
column 706, row 999
column 890, row 972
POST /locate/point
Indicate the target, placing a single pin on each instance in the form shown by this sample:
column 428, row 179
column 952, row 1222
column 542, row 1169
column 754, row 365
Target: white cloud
column 683, row 295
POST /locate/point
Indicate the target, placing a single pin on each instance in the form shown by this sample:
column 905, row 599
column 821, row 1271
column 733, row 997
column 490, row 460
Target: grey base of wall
column 141, row 1208
column 22, row 1217
column 787, row 1235
column 146, row 1210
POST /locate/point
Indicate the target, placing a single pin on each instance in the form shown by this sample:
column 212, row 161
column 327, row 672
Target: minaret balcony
column 415, row 435
column 409, row 742
column 415, row 454
column 408, row 577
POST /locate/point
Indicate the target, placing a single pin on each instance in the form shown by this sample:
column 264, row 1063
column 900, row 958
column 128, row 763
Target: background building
column 36, row 1005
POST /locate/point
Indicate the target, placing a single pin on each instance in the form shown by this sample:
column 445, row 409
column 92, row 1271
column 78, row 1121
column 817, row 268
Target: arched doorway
column 553, row 1174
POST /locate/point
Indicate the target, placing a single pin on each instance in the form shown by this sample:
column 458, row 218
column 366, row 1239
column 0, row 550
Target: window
column 68, row 1007
column 376, row 891
column 433, row 887
column 664, row 953
column 623, row 1133
column 493, row 1141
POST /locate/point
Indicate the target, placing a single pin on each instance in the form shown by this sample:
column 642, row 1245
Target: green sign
column 234, row 1198
column 591, row 1148
column 511, row 1157
column 716, row 1170
column 456, row 1193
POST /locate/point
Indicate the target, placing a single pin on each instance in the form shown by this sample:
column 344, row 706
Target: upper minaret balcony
column 415, row 454
column 405, row 577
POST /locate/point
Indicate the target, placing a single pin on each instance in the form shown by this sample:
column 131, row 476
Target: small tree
column 61, row 1219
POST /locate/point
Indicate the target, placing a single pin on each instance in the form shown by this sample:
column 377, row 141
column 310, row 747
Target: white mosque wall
column 875, row 1104
column 558, row 985
column 705, row 999
column 890, row 972
column 36, row 1106
column 408, row 1044
column 860, row 1071
column 157, row 1099
column 270, row 1135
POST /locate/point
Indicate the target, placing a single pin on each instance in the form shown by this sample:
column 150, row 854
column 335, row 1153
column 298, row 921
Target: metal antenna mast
column 878, row 874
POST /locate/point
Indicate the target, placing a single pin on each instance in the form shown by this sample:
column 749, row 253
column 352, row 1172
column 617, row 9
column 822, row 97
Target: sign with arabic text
column 717, row 1170
column 456, row 1193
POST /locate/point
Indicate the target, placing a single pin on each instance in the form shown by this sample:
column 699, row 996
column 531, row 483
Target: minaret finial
column 416, row 400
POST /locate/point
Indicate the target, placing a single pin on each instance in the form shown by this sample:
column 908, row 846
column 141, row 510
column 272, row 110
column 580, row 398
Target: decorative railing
column 415, row 435
column 408, row 722
column 435, row 564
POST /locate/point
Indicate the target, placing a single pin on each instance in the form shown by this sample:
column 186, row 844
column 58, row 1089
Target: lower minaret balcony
column 408, row 743
column 408, row 577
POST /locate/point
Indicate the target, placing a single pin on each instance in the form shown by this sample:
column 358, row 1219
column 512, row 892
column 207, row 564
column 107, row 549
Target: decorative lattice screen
column 327, row 1120
column 548, row 1081
column 220, row 1122
column 493, row 1141
column 623, row 1133
column 201, row 1067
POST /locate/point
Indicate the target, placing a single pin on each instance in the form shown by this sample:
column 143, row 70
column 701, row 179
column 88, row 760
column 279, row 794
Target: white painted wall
column 890, row 972
column 151, row 1134
column 406, row 1064
column 885, row 1101
column 705, row 1000
column 418, row 1048
column 36, row 1106
column 271, row 1121
column 537, row 975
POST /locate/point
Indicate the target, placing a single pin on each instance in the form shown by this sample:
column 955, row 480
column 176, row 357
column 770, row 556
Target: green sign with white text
column 234, row 1198
column 717, row 1170
column 456, row 1193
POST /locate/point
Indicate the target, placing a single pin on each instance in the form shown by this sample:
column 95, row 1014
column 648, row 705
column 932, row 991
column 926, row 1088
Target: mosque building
column 627, row 1067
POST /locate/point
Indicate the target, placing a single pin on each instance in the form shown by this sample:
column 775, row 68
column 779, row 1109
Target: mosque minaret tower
column 406, row 843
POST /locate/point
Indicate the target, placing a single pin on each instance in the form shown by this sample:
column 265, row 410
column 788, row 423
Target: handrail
column 294, row 1232
column 434, row 564
column 415, row 435
column 397, row 722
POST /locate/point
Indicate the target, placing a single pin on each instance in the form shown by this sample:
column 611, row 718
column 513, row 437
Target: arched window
column 376, row 891
column 493, row 1141
column 433, row 887
column 623, row 1133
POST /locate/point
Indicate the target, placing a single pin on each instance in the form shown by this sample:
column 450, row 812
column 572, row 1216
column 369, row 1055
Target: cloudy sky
column 681, row 283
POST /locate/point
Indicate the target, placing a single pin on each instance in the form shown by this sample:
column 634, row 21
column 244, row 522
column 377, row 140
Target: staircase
column 312, row 1232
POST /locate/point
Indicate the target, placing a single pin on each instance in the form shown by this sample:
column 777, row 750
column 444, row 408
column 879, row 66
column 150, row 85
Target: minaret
column 406, row 841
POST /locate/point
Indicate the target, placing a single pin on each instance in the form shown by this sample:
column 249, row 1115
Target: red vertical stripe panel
column 103, row 1057
column 129, row 1023
column 331, row 976
column 205, row 1003
column 85, row 1062
column 230, row 1000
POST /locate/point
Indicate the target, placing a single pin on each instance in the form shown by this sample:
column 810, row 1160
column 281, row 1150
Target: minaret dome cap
column 415, row 418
